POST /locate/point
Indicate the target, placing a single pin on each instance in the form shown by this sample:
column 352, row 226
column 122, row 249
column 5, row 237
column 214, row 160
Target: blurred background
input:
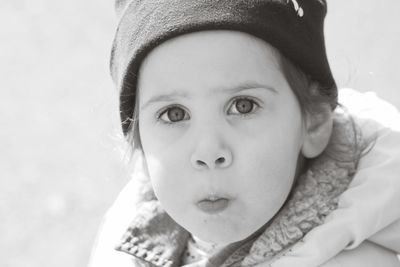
column 61, row 149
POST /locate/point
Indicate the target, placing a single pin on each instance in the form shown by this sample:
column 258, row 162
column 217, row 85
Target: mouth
column 213, row 204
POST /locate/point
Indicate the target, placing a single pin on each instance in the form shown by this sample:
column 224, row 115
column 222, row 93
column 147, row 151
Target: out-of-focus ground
column 60, row 142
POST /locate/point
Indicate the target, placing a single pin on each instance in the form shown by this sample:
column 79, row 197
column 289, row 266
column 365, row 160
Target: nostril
column 200, row 163
column 220, row 160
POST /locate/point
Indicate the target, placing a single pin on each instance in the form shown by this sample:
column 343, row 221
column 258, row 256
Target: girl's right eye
column 173, row 114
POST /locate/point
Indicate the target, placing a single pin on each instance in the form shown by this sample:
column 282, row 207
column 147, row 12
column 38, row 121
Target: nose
column 211, row 156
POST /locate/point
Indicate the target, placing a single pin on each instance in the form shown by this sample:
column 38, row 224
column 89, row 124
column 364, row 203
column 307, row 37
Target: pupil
column 176, row 114
column 244, row 106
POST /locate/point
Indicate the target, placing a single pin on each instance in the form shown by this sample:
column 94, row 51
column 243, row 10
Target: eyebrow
column 229, row 89
column 245, row 86
column 165, row 97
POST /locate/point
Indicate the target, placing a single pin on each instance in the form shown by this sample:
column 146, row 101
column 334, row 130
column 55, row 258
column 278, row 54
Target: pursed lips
column 214, row 203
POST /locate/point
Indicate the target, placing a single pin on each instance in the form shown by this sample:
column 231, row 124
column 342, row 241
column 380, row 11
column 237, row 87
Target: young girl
column 240, row 149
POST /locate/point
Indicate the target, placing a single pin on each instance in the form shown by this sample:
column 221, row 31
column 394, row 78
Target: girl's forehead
column 209, row 59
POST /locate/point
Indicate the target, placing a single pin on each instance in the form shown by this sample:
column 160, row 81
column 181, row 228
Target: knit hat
column 294, row 27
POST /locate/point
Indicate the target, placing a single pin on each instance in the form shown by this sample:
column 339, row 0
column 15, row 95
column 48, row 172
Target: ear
column 318, row 130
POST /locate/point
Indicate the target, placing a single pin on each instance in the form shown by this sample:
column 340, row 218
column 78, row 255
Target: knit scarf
column 156, row 239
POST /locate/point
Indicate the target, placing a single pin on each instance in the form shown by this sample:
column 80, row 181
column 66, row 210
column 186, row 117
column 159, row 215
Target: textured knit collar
column 156, row 238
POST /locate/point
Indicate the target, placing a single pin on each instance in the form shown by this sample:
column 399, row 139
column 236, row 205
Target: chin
column 220, row 235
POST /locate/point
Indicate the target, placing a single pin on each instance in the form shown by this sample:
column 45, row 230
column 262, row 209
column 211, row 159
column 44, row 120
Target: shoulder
column 368, row 107
column 114, row 225
column 377, row 119
column 367, row 254
column 365, row 102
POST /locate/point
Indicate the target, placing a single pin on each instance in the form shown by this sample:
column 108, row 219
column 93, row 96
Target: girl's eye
column 174, row 114
column 243, row 106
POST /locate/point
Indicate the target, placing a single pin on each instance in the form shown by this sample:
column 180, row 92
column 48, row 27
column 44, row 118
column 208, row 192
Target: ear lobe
column 318, row 130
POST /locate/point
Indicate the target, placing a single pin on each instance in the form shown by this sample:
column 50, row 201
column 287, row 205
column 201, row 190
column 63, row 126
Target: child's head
column 225, row 121
column 217, row 118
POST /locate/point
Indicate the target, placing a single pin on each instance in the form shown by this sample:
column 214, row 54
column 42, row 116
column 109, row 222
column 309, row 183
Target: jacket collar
column 154, row 237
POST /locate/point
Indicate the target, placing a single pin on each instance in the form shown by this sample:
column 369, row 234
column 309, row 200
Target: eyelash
column 256, row 105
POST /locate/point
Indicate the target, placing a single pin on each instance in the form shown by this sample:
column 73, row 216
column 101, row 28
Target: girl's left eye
column 243, row 106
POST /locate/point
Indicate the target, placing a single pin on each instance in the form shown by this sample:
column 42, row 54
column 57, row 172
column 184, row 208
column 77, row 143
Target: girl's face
column 221, row 131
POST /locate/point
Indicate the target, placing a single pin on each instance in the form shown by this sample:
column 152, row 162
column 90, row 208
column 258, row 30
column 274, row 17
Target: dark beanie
column 294, row 27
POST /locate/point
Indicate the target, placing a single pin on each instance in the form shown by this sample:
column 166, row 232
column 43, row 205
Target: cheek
column 271, row 174
column 270, row 167
column 168, row 176
column 163, row 172
column 272, row 184
column 165, row 157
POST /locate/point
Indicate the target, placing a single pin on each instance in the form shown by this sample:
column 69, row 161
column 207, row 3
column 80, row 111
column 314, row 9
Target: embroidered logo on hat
column 297, row 7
